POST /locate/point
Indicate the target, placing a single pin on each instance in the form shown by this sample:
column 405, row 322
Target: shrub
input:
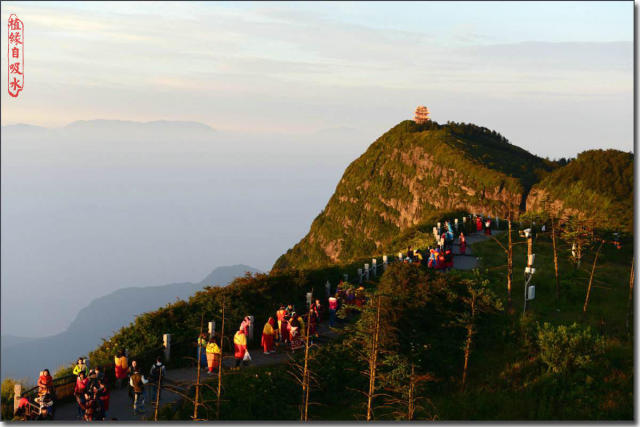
column 567, row 348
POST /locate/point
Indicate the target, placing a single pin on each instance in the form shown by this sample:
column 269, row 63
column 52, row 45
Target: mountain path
column 121, row 406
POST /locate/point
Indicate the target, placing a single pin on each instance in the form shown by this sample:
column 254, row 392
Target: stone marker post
column 166, row 343
column 17, row 392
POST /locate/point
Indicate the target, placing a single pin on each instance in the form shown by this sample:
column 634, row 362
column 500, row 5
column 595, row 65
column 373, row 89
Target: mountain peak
column 411, row 173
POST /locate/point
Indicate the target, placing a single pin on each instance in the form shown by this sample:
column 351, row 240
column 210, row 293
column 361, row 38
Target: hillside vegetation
column 597, row 184
column 410, row 175
column 552, row 363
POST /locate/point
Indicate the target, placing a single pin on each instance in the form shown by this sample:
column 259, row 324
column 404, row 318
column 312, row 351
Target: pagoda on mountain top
column 421, row 115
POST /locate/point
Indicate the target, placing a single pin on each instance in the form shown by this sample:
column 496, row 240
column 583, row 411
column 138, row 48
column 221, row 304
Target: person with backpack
column 137, row 383
column 81, row 367
column 156, row 377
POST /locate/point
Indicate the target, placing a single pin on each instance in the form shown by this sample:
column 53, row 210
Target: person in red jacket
column 45, row 383
column 284, row 329
column 478, row 224
column 79, row 392
column 23, row 411
column 440, row 262
column 463, row 244
column 333, row 308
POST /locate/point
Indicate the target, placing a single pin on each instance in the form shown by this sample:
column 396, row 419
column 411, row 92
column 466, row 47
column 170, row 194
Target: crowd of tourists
column 286, row 329
column 441, row 256
column 43, row 406
column 137, row 383
column 91, row 392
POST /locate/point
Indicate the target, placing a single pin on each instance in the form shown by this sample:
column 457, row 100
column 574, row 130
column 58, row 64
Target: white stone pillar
column 17, row 392
column 166, row 343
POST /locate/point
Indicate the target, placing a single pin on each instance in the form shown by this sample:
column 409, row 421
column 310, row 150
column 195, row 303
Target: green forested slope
column 410, row 175
column 598, row 184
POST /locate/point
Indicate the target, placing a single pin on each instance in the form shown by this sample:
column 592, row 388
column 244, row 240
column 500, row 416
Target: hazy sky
column 295, row 92
column 512, row 66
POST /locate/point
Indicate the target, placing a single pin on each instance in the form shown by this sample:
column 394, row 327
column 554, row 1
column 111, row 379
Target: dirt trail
column 469, row 261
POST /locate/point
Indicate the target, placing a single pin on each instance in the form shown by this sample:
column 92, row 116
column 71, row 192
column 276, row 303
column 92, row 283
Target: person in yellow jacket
column 268, row 334
column 81, row 367
column 213, row 354
column 241, row 353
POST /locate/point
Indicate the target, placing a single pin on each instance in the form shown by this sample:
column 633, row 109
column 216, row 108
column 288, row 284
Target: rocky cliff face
column 407, row 176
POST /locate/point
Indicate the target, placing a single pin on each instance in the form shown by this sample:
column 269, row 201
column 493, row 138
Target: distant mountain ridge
column 24, row 357
column 116, row 130
column 157, row 124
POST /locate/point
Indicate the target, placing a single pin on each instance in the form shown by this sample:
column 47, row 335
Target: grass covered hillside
column 597, row 184
column 408, row 176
